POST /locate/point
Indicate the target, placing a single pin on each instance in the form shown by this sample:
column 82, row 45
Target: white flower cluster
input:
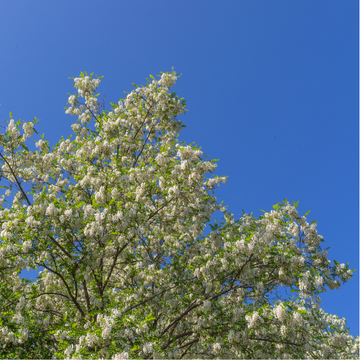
column 121, row 356
column 254, row 319
column 280, row 312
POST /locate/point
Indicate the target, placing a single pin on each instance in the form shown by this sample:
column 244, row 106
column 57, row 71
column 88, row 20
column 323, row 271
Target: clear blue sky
column 271, row 88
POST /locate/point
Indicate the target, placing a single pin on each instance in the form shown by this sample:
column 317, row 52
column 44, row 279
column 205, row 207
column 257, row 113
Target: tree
column 115, row 217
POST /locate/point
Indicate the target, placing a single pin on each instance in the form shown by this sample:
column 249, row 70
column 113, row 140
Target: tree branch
column 16, row 179
column 68, row 289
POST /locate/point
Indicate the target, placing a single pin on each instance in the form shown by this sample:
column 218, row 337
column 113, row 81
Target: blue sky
column 271, row 88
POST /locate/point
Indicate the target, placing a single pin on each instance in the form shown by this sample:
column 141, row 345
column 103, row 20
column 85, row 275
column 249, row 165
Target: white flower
column 121, row 356
column 68, row 213
column 18, row 318
column 339, row 340
column 24, row 333
column 100, row 195
column 41, row 144
column 87, row 325
column 72, row 99
column 254, row 319
column 91, row 339
column 282, row 273
column 147, row 348
column 51, row 210
column 28, row 128
column 69, row 350
column 106, row 332
column 319, row 281
column 303, row 284
column 88, row 210
column 26, row 246
column 11, row 127
column 63, row 334
column 20, row 304
column 298, row 320
column 280, row 313
column 11, row 336
column 115, row 193
column 217, row 347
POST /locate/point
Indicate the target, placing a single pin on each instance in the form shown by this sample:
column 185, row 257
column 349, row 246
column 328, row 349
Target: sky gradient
column 271, row 88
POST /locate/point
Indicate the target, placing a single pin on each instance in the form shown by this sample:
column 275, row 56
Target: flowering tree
column 115, row 217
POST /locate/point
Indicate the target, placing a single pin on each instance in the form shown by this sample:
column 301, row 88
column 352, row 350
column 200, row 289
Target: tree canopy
column 115, row 218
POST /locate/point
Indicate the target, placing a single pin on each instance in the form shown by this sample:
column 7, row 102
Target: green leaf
column 24, row 147
column 150, row 317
